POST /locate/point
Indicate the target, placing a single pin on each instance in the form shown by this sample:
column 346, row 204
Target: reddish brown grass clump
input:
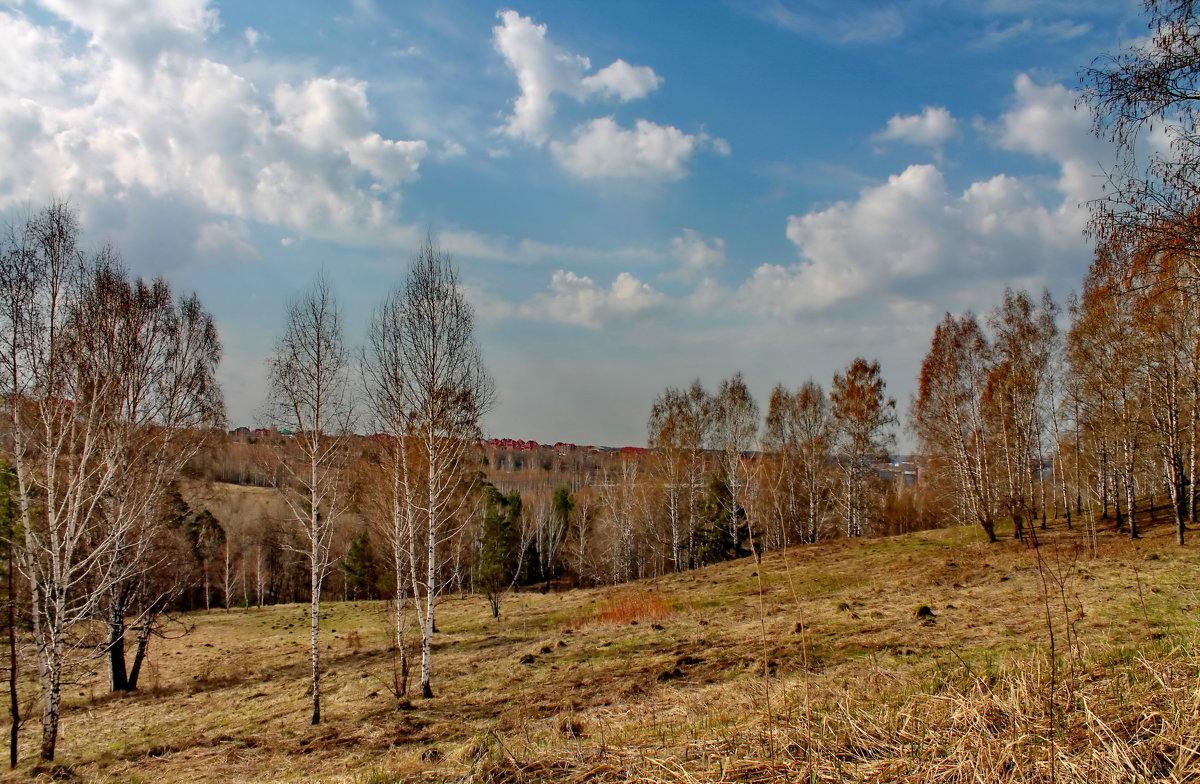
column 627, row 608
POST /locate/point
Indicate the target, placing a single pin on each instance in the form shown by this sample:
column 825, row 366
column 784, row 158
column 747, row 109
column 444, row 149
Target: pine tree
column 722, row 534
column 360, row 567
column 206, row 536
column 496, row 564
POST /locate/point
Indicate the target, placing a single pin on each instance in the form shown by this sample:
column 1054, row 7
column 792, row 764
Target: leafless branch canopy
column 109, row 386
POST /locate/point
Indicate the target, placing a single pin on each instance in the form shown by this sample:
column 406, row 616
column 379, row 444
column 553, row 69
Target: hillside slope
column 818, row 663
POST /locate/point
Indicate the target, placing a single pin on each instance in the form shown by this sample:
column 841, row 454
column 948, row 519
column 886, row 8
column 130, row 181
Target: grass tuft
column 627, row 608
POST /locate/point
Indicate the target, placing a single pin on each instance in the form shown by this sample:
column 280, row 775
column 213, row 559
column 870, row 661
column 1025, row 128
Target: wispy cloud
column 853, row 21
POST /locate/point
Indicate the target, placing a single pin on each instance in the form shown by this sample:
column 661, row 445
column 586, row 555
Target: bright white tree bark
column 101, row 376
column 428, row 389
column 309, row 393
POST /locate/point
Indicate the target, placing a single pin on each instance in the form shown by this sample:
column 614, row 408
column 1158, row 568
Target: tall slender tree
column 1165, row 310
column 734, row 434
column 947, row 415
column 863, row 416
column 1022, row 349
column 164, row 352
column 428, row 388
column 798, row 433
column 8, row 528
column 1107, row 366
column 309, row 393
column 678, row 429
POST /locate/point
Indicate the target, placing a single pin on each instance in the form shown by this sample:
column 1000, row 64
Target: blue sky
column 637, row 193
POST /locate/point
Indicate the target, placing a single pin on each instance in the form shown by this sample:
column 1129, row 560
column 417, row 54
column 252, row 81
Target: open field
column 815, row 665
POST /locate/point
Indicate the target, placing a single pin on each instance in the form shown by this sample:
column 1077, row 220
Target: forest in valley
column 126, row 500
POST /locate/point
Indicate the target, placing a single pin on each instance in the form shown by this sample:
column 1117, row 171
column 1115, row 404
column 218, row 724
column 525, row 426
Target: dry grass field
column 817, row 665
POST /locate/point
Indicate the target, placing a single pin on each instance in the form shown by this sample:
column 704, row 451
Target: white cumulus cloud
column 622, row 81
column 138, row 30
column 933, row 127
column 916, row 239
column 603, row 149
column 1046, row 121
column 899, row 251
column 577, row 299
column 544, row 68
column 600, row 148
column 139, row 114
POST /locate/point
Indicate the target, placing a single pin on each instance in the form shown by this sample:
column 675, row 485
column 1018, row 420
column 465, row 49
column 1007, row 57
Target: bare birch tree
column 57, row 440
column 1107, row 364
column 1166, row 314
column 386, row 380
column 622, row 506
column 734, row 431
column 164, row 353
column 99, row 381
column 309, row 392
column 947, row 415
column 1153, row 190
column 428, row 385
column 1022, row 349
column 678, row 427
column 799, row 433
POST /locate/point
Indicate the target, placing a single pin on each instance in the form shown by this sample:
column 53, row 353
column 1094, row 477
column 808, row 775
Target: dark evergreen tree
column 361, row 568
column 206, row 536
column 175, row 511
column 722, row 534
column 498, row 543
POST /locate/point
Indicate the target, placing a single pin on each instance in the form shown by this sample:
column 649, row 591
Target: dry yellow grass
column 811, row 666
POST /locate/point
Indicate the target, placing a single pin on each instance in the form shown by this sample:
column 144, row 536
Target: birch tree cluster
column 110, row 402
column 1138, row 309
column 108, row 389
column 426, row 389
column 1018, row 421
column 985, row 413
column 722, row 479
column 1134, row 364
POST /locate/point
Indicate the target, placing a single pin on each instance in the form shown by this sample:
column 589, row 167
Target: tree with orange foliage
column 863, row 416
column 1014, row 398
column 1167, row 314
column 948, row 418
column 1104, row 352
